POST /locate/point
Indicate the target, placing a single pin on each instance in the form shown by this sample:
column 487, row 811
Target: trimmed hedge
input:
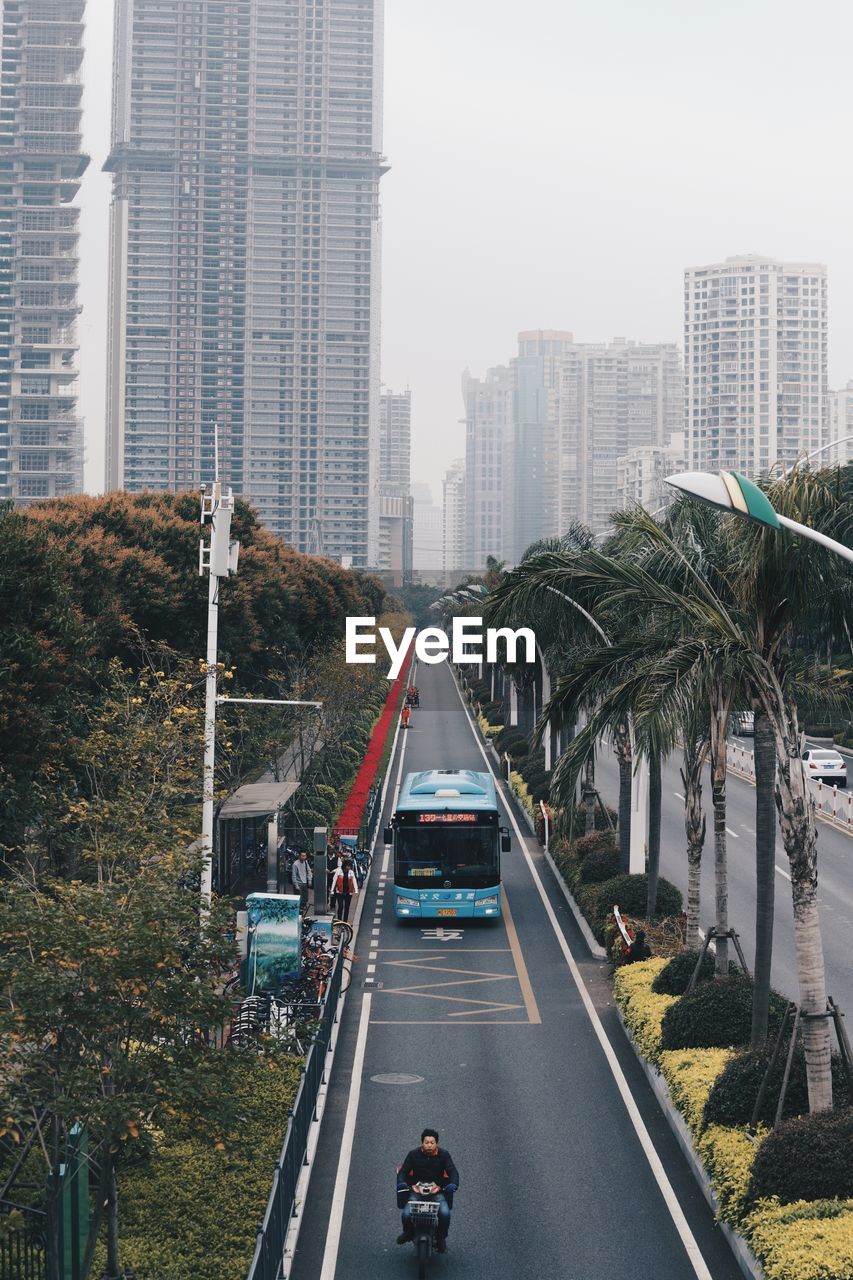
column 691, row 1075
column 734, row 1093
column 803, row 1241
column 599, row 865
column 595, row 842
column 810, row 1158
column 673, row 980
column 728, row 1155
column 717, row 1015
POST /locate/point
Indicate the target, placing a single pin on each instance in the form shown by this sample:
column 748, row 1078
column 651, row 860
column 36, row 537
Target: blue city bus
column 447, row 845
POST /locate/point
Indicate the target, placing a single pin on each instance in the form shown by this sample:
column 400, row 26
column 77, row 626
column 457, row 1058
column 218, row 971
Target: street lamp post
column 639, row 771
column 730, row 491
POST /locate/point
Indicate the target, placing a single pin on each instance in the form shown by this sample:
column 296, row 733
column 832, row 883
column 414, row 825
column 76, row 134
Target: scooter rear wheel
column 423, row 1256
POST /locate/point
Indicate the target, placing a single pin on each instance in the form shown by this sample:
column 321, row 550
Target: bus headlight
column 408, row 902
column 488, row 902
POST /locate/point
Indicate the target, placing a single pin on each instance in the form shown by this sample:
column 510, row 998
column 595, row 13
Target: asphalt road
column 835, row 877
column 494, row 1047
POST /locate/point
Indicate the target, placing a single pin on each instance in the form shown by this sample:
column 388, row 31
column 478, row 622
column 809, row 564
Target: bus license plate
column 447, row 911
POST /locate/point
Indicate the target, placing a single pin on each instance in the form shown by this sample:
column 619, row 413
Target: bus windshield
column 428, row 857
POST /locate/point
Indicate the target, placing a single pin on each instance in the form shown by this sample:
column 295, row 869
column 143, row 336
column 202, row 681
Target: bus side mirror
column 506, row 840
column 388, row 835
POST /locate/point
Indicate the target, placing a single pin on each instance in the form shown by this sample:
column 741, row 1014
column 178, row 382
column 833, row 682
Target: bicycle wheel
column 423, row 1256
column 341, row 933
column 346, row 976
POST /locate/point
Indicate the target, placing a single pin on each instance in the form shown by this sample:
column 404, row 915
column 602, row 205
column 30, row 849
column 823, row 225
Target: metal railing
column 23, row 1252
column 281, row 1206
column 834, row 805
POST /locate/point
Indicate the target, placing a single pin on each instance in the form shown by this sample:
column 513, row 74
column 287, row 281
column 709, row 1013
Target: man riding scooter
column 430, row 1167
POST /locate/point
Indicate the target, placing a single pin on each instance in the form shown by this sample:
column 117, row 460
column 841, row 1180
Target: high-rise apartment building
column 453, row 487
column 755, row 352
column 488, row 466
column 395, row 443
column 536, row 378
column 840, row 429
column 613, row 398
column 427, row 535
column 244, row 293
column 641, row 474
column 41, row 163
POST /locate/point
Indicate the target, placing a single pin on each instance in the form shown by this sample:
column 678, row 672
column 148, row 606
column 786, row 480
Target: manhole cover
column 397, row 1077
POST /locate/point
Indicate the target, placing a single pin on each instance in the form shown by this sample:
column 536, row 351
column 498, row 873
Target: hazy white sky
column 557, row 165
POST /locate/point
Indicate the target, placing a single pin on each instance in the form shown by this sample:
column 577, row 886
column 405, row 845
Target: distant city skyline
column 694, row 179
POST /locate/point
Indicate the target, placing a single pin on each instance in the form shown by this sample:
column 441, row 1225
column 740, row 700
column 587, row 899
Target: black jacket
column 419, row 1167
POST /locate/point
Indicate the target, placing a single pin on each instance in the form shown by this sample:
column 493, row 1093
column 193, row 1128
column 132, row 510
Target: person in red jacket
column 344, row 888
column 406, row 717
column 431, row 1164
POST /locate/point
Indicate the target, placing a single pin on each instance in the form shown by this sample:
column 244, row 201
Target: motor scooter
column 424, row 1212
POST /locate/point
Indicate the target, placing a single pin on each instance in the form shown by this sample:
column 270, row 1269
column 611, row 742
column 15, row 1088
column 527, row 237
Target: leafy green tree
column 108, row 1009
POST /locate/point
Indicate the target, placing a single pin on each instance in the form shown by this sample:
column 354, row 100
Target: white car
column 825, row 766
column 745, row 724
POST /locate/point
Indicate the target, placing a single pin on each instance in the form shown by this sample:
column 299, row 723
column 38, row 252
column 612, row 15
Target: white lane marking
column 371, row 968
column 783, row 873
column 678, row 795
column 681, row 1224
column 750, row 831
column 336, row 1213
column 733, row 833
column 373, row 955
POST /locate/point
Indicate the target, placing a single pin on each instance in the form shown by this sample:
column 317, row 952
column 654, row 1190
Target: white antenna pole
column 219, row 558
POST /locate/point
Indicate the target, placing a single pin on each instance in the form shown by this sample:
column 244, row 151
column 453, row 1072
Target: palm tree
column 719, row 647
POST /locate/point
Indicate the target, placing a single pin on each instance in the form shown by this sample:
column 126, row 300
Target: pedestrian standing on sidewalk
column 303, row 878
column 344, row 889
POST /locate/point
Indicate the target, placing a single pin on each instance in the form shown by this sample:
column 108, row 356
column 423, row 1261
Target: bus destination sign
column 447, row 817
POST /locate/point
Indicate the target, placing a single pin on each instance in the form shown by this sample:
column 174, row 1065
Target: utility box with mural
column 274, row 939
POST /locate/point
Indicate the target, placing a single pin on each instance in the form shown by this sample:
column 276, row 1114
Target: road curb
column 745, row 1258
column 595, row 947
column 302, row 1185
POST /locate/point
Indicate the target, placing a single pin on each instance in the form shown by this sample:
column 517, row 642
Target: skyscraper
column 613, row 399
column 840, row 429
column 395, row 443
column 41, row 163
column 453, row 487
column 488, row 466
column 755, row 352
column 244, row 288
column 536, row 376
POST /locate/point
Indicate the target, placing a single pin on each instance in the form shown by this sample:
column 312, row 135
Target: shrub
column 691, row 1075
column 579, row 819
column 803, row 1241
column 806, row 1159
column 519, row 786
column 717, row 1014
column 204, row 1194
column 599, row 865
column 728, row 1155
column 642, row 1010
column 630, row 893
column 733, row 1096
column 673, row 980
column 541, row 791
column 512, row 737
column 595, row 842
